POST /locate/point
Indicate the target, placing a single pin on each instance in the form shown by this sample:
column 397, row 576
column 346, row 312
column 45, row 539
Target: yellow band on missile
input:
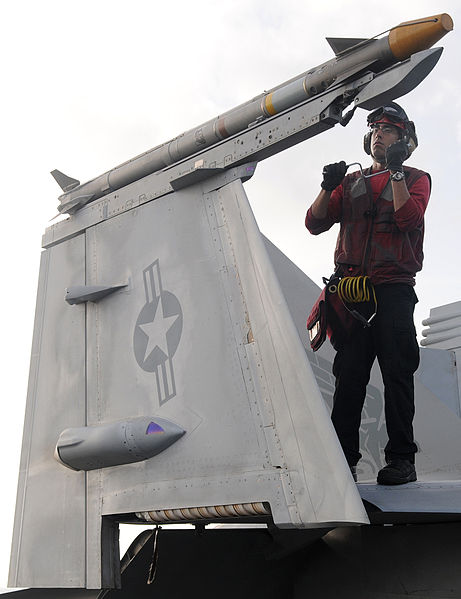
column 268, row 105
column 414, row 36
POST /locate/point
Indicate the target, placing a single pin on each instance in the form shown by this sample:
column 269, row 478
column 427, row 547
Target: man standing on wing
column 381, row 235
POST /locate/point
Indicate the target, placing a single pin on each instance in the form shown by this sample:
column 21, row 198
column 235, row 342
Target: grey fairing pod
column 105, row 445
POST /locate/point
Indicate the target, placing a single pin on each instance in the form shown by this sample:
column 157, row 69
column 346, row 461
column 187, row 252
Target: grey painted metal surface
column 442, row 497
column 438, row 372
column 225, row 384
column 444, row 330
column 51, row 501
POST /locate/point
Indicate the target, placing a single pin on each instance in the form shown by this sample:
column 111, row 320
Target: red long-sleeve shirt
column 374, row 239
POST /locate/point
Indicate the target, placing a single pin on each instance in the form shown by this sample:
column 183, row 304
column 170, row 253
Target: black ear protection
column 367, row 143
column 393, row 112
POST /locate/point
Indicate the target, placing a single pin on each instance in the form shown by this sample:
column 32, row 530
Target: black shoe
column 397, row 472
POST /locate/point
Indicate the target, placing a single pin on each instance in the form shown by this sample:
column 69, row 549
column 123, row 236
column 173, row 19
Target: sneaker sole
column 411, row 478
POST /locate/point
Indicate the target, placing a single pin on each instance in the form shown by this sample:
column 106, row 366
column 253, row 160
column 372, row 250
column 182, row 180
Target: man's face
column 382, row 136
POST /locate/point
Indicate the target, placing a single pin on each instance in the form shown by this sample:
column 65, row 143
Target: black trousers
column 392, row 339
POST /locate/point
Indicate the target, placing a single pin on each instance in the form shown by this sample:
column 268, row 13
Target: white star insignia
column 157, row 330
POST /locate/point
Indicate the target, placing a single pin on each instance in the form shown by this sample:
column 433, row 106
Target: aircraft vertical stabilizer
column 196, row 336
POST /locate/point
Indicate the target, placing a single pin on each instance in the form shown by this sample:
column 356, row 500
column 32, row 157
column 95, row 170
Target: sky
column 87, row 85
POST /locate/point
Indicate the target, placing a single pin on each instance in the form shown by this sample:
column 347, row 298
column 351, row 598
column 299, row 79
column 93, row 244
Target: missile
column 353, row 57
column 114, row 444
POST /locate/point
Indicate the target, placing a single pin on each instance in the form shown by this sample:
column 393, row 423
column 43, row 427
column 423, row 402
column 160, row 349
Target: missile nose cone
column 414, row 36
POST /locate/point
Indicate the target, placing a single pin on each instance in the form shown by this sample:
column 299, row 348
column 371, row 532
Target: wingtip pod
column 413, row 36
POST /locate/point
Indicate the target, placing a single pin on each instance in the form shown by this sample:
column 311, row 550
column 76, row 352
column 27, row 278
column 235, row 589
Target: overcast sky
column 87, row 85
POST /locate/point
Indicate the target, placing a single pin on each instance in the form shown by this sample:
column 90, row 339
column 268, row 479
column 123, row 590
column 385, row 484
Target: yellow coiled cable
column 354, row 290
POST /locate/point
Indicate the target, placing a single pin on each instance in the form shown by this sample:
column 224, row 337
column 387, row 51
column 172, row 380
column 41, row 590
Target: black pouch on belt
column 329, row 316
column 341, row 323
column 317, row 322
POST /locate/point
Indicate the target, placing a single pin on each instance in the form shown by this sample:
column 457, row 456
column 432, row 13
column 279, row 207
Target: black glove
column 396, row 154
column 333, row 174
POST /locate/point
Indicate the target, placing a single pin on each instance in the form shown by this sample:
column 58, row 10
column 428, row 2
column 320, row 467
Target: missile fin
column 342, row 44
column 65, row 183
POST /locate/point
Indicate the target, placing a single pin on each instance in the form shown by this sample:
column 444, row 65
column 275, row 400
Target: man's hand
column 333, row 174
column 396, row 154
